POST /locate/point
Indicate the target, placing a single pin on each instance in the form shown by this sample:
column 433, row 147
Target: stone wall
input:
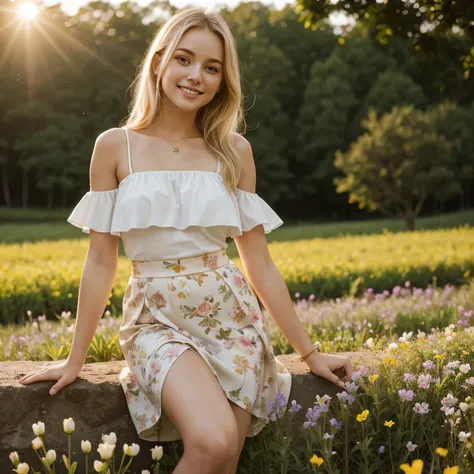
column 97, row 404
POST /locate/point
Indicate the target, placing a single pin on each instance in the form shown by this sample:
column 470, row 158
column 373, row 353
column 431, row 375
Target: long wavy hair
column 217, row 119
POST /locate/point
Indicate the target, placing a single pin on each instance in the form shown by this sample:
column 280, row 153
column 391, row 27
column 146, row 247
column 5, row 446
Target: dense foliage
column 66, row 80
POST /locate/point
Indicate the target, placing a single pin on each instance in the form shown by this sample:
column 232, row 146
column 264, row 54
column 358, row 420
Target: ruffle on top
column 178, row 199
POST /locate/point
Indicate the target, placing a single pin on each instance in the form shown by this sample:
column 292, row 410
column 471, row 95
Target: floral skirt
column 204, row 304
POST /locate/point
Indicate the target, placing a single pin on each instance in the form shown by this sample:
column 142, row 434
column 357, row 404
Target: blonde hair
column 217, row 119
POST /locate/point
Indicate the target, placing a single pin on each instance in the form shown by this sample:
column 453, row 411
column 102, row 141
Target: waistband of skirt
column 178, row 267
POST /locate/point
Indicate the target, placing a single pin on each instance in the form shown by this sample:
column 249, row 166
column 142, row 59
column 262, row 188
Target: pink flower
column 204, row 308
column 157, row 299
column 238, row 281
column 245, row 341
column 254, row 315
column 212, row 263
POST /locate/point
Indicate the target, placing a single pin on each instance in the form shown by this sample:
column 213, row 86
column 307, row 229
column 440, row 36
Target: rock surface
column 97, row 404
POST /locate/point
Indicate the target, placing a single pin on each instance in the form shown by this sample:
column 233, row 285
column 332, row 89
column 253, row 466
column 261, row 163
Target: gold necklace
column 175, row 148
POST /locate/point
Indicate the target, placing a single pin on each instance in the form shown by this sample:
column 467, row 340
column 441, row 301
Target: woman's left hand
column 323, row 364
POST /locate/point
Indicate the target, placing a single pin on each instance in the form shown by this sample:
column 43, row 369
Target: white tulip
column 23, row 468
column 464, row 437
column 132, row 450
column 37, row 443
column 69, row 425
column 110, row 438
column 146, row 472
column 14, row 458
column 98, row 466
column 86, row 446
column 157, row 453
column 464, row 406
column 38, row 428
column 106, row 451
column 51, row 456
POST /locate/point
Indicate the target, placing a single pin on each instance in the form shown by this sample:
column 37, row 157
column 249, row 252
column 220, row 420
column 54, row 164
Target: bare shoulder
column 111, row 138
column 108, row 150
column 248, row 177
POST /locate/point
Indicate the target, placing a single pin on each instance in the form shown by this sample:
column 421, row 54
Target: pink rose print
column 245, row 341
column 158, row 300
column 204, row 308
column 238, row 281
column 155, row 367
column 254, row 315
column 212, row 263
column 172, row 350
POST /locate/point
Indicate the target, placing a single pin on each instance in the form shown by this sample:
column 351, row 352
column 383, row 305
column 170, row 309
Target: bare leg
column 243, row 419
column 193, row 400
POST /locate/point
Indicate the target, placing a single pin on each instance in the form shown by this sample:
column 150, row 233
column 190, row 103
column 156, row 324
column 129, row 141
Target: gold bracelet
column 317, row 347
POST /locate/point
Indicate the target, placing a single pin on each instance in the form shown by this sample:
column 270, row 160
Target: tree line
column 320, row 109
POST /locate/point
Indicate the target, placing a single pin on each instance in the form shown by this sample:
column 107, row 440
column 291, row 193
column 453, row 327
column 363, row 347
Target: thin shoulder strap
column 218, row 165
column 128, row 153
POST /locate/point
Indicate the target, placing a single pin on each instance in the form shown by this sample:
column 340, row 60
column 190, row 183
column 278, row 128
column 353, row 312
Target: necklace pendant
column 176, row 149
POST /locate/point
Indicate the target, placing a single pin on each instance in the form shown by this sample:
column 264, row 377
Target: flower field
column 44, row 277
column 411, row 410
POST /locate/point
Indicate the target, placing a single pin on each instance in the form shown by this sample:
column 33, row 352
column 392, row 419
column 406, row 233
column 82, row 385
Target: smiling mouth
column 190, row 91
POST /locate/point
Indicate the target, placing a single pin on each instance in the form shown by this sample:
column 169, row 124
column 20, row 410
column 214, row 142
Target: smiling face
column 195, row 70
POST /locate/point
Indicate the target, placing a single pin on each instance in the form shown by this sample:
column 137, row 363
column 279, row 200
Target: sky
column 72, row 6
column 337, row 20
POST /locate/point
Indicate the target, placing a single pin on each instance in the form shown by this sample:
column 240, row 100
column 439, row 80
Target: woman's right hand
column 64, row 373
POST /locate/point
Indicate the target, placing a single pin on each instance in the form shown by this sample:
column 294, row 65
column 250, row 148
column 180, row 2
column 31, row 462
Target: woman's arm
column 271, row 288
column 98, row 273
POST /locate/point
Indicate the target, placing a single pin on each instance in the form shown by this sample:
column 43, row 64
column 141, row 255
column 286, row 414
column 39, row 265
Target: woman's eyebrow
column 191, row 53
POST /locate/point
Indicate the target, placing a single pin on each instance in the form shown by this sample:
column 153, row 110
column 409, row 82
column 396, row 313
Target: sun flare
column 28, row 11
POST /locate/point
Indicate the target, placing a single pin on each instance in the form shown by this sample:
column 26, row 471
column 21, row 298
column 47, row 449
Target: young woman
column 173, row 184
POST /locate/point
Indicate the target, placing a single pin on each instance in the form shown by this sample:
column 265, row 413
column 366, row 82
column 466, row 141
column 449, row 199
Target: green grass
column 54, row 230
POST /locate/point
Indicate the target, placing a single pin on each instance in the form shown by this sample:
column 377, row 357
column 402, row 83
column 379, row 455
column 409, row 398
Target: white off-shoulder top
column 163, row 215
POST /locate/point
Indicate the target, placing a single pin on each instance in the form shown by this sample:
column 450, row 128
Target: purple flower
column 335, row 423
column 312, row 416
column 428, row 365
column 294, row 407
column 382, row 449
column 405, row 395
column 275, row 406
column 408, row 377
column 346, row 397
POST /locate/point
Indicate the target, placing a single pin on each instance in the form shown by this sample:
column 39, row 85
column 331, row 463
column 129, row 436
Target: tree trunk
column 25, row 189
column 410, row 220
column 5, row 187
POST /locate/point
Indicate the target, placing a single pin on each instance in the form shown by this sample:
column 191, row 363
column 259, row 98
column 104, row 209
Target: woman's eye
column 181, row 57
column 213, row 69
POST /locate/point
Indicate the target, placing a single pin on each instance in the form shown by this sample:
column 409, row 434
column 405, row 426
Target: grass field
column 54, row 230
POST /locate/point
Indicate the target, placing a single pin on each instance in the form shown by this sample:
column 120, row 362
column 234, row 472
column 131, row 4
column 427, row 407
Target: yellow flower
column 363, row 416
column 451, row 470
column 389, row 360
column 389, row 423
column 439, row 356
column 415, row 468
column 316, row 461
column 442, row 452
column 373, row 378
column 403, row 345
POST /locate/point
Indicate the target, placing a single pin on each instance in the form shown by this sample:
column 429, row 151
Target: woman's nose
column 194, row 73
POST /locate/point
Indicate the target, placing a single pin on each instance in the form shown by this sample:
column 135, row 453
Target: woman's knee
column 216, row 445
